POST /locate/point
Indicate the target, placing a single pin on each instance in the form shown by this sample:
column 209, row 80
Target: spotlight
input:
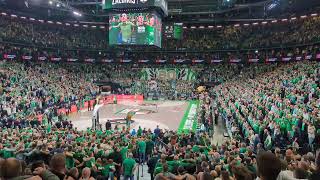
column 50, row 2
column 58, row 5
column 77, row 13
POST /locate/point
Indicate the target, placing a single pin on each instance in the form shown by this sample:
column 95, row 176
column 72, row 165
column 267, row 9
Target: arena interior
column 159, row 89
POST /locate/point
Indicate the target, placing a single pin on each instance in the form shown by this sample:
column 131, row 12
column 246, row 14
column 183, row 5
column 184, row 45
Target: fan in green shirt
column 129, row 165
column 125, row 28
column 123, row 152
column 142, row 146
column 150, row 29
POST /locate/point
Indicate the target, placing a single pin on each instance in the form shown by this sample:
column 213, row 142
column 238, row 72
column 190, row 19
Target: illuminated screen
column 135, row 29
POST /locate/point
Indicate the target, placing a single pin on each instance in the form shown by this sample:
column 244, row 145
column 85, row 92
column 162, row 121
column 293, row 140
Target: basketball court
column 147, row 114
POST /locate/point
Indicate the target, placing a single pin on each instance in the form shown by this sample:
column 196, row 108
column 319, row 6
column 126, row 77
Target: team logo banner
column 185, row 74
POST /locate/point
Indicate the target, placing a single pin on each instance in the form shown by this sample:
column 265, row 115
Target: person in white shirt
column 311, row 134
column 95, row 116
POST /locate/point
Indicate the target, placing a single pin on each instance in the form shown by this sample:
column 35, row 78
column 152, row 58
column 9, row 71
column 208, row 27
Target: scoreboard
column 173, row 31
column 135, row 22
column 135, row 29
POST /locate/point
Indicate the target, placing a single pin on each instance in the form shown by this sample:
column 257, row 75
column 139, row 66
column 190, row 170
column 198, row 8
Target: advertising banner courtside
column 189, row 121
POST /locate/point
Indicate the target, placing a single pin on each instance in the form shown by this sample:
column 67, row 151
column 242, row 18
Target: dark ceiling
column 188, row 11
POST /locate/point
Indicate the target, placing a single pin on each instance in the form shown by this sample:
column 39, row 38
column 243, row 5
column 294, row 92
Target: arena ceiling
column 189, row 11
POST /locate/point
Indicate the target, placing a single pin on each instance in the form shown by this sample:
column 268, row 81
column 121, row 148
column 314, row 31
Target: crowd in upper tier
column 279, row 34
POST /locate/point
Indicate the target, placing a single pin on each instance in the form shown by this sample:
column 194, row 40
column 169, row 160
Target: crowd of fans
column 279, row 34
column 271, row 111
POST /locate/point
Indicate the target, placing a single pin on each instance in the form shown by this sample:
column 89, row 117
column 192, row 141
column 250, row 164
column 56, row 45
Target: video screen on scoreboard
column 173, row 31
column 135, row 29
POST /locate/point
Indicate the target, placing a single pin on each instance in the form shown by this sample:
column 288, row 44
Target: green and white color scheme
column 185, row 74
column 189, row 120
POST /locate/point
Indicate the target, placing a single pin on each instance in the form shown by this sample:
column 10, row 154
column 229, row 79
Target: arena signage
column 286, row 59
column 143, row 61
column 189, row 120
column 253, row 60
column 197, row 61
column 89, row 60
column 114, row 2
column 26, row 57
column 216, row 60
column 161, row 61
column 271, row 59
column 235, row 60
column 308, row 57
column 125, row 4
column 179, row 60
column 9, row 56
column 298, row 58
column 125, row 60
column 42, row 58
column 107, row 60
column 72, row 60
column 191, row 117
column 56, row 59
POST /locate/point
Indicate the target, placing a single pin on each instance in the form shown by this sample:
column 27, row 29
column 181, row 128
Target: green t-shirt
column 105, row 170
column 90, row 163
column 126, row 30
column 142, row 146
column 7, row 154
column 128, row 165
column 123, row 152
column 70, row 163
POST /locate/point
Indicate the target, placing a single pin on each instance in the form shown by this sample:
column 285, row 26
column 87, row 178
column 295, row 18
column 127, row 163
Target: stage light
column 304, row 16
column 76, row 13
column 274, row 21
column 219, row 26
column 264, row 22
column 210, row 27
column 246, row 24
column 236, row 25
column 255, row 23
column 315, row 14
column 50, row 2
column 58, row 5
